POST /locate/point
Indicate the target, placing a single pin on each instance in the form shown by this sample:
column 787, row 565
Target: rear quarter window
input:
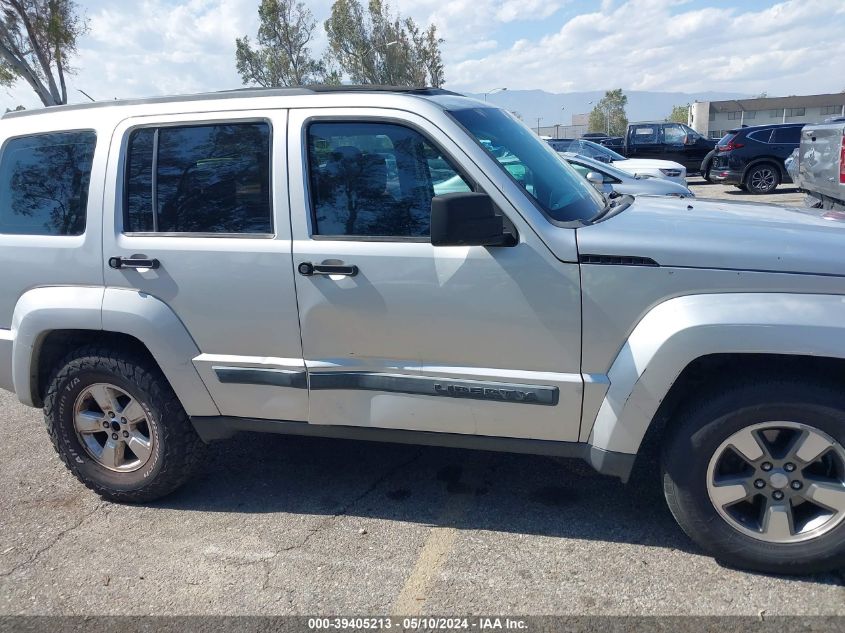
column 44, row 181
column 761, row 136
column 790, row 135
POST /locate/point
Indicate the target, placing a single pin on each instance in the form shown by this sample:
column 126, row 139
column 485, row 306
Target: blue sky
column 148, row 47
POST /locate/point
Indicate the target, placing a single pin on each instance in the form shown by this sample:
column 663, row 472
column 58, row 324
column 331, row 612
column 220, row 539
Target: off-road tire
column 177, row 450
column 697, row 432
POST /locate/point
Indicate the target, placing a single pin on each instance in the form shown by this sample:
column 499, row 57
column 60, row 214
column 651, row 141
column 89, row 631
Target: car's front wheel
column 756, row 475
column 762, row 179
column 118, row 427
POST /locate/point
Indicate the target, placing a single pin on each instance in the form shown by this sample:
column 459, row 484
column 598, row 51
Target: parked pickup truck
column 667, row 141
column 821, row 163
column 176, row 270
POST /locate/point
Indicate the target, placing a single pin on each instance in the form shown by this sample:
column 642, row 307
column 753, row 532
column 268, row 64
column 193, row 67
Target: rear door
column 783, row 141
column 645, row 140
column 205, row 196
column 406, row 335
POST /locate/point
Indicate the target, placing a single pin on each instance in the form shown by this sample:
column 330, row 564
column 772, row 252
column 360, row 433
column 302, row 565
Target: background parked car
column 752, row 158
column 821, row 164
column 665, row 169
column 667, row 141
column 616, row 180
column 613, row 142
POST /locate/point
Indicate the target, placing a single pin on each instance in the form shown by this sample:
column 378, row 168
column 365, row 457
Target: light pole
column 539, row 118
column 492, row 92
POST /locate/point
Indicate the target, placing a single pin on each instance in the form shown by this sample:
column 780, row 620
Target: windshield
column 554, row 186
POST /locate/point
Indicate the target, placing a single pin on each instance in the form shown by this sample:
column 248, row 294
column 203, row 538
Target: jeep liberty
column 415, row 266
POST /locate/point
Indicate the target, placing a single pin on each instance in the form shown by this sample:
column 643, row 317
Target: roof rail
column 236, row 93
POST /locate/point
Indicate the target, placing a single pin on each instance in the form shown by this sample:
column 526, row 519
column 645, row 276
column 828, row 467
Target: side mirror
column 595, row 178
column 689, row 140
column 466, row 219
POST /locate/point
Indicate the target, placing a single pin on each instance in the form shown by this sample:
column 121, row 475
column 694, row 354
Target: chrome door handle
column 308, row 269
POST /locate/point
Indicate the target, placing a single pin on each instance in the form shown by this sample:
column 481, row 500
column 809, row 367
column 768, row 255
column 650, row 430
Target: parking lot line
column 436, row 548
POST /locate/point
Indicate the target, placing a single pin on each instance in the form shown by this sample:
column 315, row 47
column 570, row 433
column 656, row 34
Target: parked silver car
column 178, row 270
column 608, row 179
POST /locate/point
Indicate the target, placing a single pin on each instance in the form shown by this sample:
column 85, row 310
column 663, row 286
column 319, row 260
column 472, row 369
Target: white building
column 715, row 118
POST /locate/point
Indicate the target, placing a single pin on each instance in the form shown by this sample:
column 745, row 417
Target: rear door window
column 644, row 135
column 674, row 134
column 212, row 179
column 44, row 182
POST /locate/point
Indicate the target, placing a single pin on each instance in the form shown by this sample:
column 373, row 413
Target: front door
column 205, row 196
column 397, row 333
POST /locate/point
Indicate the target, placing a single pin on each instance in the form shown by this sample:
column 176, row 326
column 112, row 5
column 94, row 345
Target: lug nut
column 766, row 466
column 777, row 494
column 106, row 425
column 111, row 414
column 126, row 434
column 759, row 483
column 789, row 467
column 114, row 436
column 796, row 485
column 123, row 420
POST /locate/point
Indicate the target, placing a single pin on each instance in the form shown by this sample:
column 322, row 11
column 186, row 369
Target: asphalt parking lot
column 278, row 525
column 785, row 194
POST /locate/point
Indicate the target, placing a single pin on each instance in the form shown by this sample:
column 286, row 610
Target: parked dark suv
column 752, row 157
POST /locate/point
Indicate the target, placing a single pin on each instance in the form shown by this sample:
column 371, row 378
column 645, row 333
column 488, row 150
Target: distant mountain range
column 642, row 105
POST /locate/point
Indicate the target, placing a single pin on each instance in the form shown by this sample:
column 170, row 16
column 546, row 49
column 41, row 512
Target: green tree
column 37, row 40
column 371, row 46
column 679, row 114
column 609, row 114
column 282, row 56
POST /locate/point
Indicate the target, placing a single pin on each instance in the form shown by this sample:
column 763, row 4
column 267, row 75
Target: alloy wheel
column 113, row 427
column 779, row 482
column 763, row 179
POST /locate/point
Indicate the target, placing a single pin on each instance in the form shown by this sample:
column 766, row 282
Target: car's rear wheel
column 756, row 475
column 762, row 179
column 118, row 426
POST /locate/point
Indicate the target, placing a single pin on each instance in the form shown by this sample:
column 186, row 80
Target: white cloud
column 154, row 47
column 789, row 48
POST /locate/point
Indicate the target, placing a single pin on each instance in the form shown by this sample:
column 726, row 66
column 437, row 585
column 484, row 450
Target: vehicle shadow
column 547, row 496
column 524, row 494
column 740, row 192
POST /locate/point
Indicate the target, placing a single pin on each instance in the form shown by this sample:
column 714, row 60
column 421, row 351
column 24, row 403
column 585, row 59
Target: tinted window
column 761, row 136
column 208, row 179
column 44, row 183
column 375, row 179
column 644, row 135
column 787, row 135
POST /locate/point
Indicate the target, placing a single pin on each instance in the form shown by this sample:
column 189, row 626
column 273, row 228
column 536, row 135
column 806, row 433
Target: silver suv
column 415, row 266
